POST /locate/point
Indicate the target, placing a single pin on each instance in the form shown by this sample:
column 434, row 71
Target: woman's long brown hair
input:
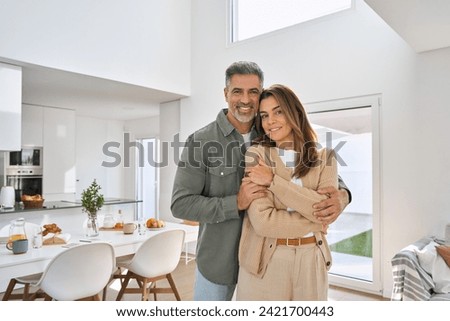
column 305, row 138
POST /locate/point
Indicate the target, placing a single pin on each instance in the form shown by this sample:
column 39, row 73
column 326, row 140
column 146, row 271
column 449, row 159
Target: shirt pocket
column 223, row 181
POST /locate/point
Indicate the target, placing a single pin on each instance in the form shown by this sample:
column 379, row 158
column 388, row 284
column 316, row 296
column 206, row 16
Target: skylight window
column 251, row 18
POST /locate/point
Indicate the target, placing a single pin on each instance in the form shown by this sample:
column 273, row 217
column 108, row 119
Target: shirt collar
column 227, row 128
column 224, row 124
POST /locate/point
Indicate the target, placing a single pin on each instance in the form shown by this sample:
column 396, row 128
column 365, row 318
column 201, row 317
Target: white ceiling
column 90, row 96
column 423, row 24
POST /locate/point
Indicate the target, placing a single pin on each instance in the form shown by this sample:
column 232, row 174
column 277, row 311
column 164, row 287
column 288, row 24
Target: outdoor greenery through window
column 250, row 18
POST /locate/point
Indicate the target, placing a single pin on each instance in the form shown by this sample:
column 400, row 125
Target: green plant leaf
column 91, row 199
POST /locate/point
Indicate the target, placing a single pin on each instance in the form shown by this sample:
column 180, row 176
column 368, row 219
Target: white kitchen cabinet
column 32, row 125
column 10, row 107
column 59, row 154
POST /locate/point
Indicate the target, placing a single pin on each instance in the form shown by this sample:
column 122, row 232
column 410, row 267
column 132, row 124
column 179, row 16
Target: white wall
column 353, row 53
column 143, row 127
column 429, row 172
column 127, row 41
column 169, row 127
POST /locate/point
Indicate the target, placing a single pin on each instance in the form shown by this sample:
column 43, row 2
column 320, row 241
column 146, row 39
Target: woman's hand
column 260, row 174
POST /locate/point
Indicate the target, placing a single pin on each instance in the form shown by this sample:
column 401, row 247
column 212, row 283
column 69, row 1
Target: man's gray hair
column 244, row 68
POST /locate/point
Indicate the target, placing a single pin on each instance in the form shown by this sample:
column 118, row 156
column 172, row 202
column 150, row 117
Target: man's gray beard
column 243, row 119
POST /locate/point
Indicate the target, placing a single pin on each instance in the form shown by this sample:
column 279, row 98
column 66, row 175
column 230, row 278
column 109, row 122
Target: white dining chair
column 154, row 260
column 78, row 273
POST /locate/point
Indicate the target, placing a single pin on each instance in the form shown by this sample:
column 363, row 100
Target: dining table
column 36, row 259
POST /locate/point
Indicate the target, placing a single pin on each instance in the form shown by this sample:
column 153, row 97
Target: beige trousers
column 293, row 274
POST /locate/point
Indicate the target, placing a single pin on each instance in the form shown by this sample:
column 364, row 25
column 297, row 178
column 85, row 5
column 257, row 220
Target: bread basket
column 33, row 204
column 35, row 201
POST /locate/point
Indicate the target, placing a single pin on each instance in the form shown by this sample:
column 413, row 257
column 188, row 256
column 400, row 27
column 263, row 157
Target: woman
column 283, row 252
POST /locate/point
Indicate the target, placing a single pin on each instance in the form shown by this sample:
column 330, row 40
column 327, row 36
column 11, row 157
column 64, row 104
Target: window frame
column 231, row 12
column 373, row 101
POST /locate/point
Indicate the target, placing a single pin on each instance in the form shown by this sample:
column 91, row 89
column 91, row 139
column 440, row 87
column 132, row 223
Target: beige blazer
column 268, row 219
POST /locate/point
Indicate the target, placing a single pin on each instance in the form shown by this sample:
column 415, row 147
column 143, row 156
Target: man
column 208, row 188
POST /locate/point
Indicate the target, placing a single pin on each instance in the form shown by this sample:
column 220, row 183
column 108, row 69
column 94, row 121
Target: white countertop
column 64, row 204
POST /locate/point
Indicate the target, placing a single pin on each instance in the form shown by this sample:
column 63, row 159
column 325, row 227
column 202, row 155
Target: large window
column 250, row 18
column 351, row 128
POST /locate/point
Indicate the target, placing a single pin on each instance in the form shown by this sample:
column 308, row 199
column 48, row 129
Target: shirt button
column 320, row 242
column 221, row 173
column 270, row 245
column 328, row 263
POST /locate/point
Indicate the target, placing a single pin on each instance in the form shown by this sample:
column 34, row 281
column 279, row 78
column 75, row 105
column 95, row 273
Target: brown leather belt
column 297, row 242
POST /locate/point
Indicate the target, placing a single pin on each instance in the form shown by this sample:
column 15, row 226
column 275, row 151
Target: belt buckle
column 287, row 242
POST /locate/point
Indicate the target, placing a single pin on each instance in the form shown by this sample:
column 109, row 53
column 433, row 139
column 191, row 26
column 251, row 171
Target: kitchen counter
column 65, row 205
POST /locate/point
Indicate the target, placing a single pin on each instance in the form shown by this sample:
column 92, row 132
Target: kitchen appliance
column 26, row 161
column 23, row 171
column 7, row 197
column 25, row 185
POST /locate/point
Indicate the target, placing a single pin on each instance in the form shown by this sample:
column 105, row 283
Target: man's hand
column 248, row 192
column 328, row 210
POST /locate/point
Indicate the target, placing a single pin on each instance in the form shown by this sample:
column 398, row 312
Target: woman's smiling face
column 275, row 124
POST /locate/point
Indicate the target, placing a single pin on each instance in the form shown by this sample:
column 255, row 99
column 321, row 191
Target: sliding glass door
column 351, row 128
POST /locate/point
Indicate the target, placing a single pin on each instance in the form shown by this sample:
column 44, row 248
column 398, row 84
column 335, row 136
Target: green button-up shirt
column 205, row 190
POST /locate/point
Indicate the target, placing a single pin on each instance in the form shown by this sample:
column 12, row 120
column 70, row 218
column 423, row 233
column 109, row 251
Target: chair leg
column 124, row 286
column 39, row 294
column 154, row 293
column 117, row 274
column 172, row 285
column 105, row 289
column 104, row 292
column 9, row 289
column 26, row 292
column 147, row 286
column 144, row 290
column 25, row 295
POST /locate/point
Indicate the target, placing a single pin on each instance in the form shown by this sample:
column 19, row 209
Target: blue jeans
column 205, row 290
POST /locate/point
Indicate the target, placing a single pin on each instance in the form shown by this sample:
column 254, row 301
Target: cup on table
column 142, row 227
column 129, row 228
column 18, row 246
column 12, row 238
column 37, row 239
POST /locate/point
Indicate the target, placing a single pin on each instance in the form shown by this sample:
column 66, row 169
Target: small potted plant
column 91, row 202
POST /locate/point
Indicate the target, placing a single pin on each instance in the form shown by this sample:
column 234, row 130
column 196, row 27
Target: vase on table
column 91, row 226
column 91, row 202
